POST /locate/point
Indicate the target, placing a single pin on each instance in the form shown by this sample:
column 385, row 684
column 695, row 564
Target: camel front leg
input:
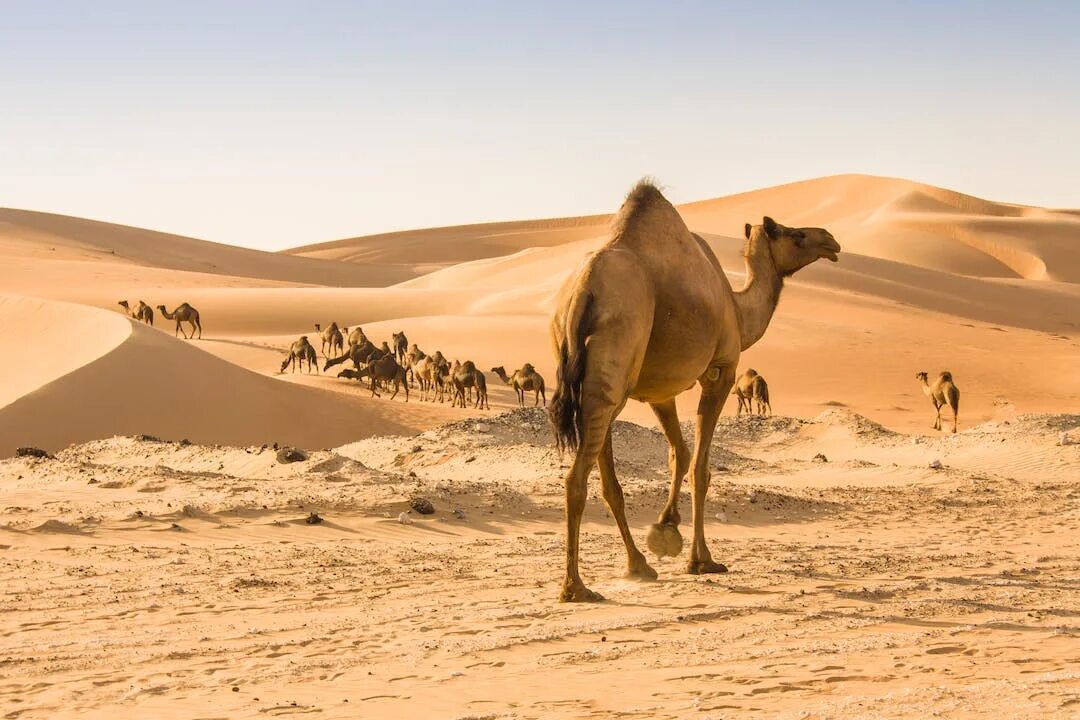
column 664, row 537
column 636, row 565
column 713, row 394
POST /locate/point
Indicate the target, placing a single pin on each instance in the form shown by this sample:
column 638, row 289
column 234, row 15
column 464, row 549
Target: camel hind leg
column 636, row 564
column 597, row 416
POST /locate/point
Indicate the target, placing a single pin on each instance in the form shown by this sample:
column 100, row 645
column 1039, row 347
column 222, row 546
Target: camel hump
column 527, row 367
column 945, row 376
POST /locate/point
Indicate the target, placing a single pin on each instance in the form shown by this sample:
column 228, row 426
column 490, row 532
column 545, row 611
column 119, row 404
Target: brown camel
column 183, row 313
column 332, row 338
column 647, row 316
column 300, row 351
column 524, row 380
column 384, row 369
column 357, row 336
column 943, row 392
column 359, row 354
column 467, row 376
column 751, row 388
column 744, row 390
column 412, row 357
column 401, row 347
column 143, row 313
column 423, row 372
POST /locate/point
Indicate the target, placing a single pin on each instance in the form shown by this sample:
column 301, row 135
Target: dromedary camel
column 647, row 316
column 467, row 376
column 300, row 351
column 183, row 313
column 332, row 338
column 761, row 396
column 744, row 390
column 943, row 392
column 359, row 354
column 384, row 369
column 401, row 347
column 142, row 313
column 357, row 336
column 524, row 380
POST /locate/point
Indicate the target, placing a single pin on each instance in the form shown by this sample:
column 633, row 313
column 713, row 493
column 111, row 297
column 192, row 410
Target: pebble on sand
column 404, row 519
column 291, row 455
column 936, row 465
column 422, row 505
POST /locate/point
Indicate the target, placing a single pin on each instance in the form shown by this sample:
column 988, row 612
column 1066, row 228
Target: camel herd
column 397, row 366
column 183, row 313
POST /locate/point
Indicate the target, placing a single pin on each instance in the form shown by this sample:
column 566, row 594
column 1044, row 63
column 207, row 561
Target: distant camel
column 943, row 392
column 467, row 376
column 359, row 354
column 384, row 369
column 357, row 336
column 646, row 316
column 183, row 313
column 412, row 357
column 744, row 390
column 423, row 372
column 751, row 388
column 524, row 380
column 300, row 351
column 332, row 338
column 761, row 395
column 401, row 347
column 143, row 313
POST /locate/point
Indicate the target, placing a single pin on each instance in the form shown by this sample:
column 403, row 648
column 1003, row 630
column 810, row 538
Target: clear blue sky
column 271, row 124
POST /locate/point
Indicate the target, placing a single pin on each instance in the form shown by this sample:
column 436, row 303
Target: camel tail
column 565, row 408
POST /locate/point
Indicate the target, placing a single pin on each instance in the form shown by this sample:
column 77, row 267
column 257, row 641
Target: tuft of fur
column 565, row 409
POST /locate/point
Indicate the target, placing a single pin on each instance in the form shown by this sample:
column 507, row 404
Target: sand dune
column 128, row 379
column 46, row 237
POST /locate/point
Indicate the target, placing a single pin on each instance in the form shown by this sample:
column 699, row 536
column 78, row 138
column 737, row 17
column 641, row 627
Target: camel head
column 500, row 370
column 922, row 377
column 124, row 304
column 793, row 248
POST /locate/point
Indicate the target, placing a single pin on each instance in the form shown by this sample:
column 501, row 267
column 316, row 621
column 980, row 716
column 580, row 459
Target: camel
column 386, row 369
column 744, row 390
column 467, row 376
column 749, row 388
column 761, row 396
column 414, row 356
column 357, row 336
column 524, row 380
column 300, row 351
column 423, row 372
column 332, row 338
column 648, row 315
column 143, row 313
column 183, row 313
column 359, row 354
column 401, row 346
column 943, row 392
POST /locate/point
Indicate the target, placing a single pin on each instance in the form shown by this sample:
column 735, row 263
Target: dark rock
column 148, row 438
column 291, row 455
column 820, row 457
column 32, row 452
column 422, row 505
column 313, row 519
column 185, row 442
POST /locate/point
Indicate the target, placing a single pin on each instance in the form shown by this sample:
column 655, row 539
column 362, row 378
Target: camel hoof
column 641, row 572
column 705, row 567
column 579, row 593
column 664, row 540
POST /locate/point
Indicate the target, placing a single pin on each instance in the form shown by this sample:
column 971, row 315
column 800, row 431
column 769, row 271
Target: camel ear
column 770, row 226
column 747, row 231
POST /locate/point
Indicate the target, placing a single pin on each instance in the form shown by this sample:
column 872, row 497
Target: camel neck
column 757, row 300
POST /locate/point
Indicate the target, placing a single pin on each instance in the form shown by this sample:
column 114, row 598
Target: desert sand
column 181, row 579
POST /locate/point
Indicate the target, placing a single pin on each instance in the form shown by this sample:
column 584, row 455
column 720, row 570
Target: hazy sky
column 272, row 124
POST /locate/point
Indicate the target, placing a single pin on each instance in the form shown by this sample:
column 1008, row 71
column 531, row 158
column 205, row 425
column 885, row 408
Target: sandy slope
column 128, row 379
column 180, row 582
column 46, row 237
